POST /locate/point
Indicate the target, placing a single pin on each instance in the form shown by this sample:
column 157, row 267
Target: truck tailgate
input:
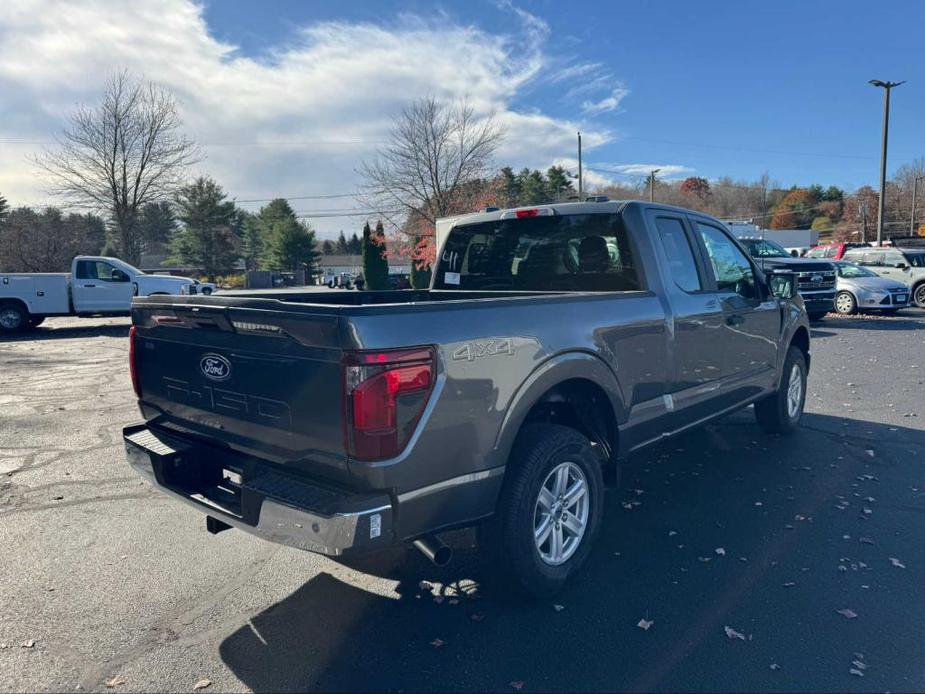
column 264, row 383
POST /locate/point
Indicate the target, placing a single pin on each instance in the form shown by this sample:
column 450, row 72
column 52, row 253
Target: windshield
column 763, row 248
column 850, row 270
column 551, row 253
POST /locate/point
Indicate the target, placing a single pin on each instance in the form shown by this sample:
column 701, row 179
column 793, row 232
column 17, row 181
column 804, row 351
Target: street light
column 886, row 86
column 652, row 184
column 915, row 190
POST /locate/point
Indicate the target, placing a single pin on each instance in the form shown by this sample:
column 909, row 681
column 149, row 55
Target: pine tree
column 354, row 245
column 253, row 242
column 375, row 264
column 206, row 240
column 341, row 246
column 327, row 247
column 558, row 183
column 4, row 210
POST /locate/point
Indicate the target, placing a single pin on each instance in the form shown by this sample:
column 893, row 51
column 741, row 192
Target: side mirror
column 900, row 266
column 783, row 285
column 119, row 276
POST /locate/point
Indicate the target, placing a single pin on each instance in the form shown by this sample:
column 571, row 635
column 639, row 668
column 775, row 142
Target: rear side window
column 86, row 270
column 682, row 268
column 587, row 253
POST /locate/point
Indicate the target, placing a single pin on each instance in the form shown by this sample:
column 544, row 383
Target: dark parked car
column 815, row 278
column 552, row 342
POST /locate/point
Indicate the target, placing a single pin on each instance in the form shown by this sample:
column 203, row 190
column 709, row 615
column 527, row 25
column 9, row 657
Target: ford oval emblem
column 215, row 367
column 816, row 279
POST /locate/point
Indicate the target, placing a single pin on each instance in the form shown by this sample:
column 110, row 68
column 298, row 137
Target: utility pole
column 580, row 189
column 652, row 184
column 915, row 191
column 886, row 86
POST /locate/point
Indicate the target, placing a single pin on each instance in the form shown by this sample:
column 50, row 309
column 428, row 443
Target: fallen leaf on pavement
column 27, row 644
column 865, row 541
column 115, row 682
column 438, row 643
column 720, row 551
column 869, row 452
column 516, row 684
column 644, row 624
column 856, row 672
column 898, row 564
column 774, row 666
column 733, row 634
column 558, row 608
column 789, row 584
column 202, row 684
column 476, row 616
column 848, row 614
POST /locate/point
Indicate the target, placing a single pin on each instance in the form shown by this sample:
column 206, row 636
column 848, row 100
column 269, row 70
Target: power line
column 301, row 197
column 734, row 148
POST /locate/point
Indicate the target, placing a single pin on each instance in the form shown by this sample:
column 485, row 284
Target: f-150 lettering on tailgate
column 269, row 412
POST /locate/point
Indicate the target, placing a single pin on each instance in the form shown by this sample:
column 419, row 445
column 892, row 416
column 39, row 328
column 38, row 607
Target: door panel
column 96, row 291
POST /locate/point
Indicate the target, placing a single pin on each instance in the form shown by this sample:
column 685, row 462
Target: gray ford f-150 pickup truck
column 553, row 341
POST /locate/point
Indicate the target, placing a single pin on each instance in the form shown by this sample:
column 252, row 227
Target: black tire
column 36, row 321
column 206, row 292
column 845, row 303
column 539, row 450
column 918, row 294
column 14, row 318
column 774, row 413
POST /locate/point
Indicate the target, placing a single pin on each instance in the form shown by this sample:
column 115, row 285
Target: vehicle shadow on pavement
column 739, row 548
column 42, row 333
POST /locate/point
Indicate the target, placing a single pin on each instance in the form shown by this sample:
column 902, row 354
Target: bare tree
column 434, row 151
column 123, row 153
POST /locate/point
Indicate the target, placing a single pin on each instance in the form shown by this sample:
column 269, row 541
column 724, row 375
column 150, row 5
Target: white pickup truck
column 96, row 285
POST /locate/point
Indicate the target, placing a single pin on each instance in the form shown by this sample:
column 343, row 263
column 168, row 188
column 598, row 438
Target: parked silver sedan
column 859, row 289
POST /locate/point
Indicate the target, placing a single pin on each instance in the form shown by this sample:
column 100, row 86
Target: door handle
column 88, row 286
column 735, row 319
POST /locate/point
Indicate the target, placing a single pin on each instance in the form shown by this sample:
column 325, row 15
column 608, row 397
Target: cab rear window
column 587, row 253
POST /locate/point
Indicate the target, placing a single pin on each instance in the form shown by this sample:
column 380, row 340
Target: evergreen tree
column 532, row 187
column 4, row 210
column 157, row 225
column 375, row 264
column 354, row 245
column 558, row 184
column 290, row 244
column 253, row 242
column 341, row 245
column 206, row 240
column 327, row 247
column 509, row 187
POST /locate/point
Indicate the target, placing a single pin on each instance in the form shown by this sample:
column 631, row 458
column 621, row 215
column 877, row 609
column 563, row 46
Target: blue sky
column 287, row 98
column 710, row 83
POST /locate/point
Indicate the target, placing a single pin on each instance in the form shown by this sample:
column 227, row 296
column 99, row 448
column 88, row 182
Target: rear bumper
column 276, row 507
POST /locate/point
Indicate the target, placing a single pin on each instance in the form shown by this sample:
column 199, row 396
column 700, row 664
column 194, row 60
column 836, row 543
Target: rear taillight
column 132, row 361
column 385, row 393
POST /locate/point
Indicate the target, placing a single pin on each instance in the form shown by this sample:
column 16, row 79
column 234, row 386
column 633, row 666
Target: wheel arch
column 576, row 389
column 800, row 340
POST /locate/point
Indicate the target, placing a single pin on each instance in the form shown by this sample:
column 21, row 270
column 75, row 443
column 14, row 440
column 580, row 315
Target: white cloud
column 295, row 123
column 608, row 103
column 665, row 170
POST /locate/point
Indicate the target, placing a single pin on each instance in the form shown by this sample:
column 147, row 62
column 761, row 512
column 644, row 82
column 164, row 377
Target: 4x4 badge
column 215, row 367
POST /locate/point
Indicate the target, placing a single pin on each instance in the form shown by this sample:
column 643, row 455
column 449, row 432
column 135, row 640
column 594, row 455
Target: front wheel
column 550, row 508
column 918, row 295
column 780, row 412
column 845, row 303
column 13, row 318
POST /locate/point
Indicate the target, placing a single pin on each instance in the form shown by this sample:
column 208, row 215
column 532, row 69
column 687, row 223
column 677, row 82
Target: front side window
column 588, row 253
column 681, row 265
column 915, row 259
column 730, row 266
column 850, row 270
column 766, row 249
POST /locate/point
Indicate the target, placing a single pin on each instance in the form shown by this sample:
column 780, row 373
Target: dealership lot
column 762, row 563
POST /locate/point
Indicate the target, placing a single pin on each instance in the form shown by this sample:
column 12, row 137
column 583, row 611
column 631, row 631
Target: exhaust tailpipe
column 434, row 549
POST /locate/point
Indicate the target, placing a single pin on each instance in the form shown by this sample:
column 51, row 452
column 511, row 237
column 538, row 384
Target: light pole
column 580, row 191
column 886, row 86
column 652, row 184
column 915, row 190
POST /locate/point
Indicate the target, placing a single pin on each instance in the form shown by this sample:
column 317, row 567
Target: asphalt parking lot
column 763, row 563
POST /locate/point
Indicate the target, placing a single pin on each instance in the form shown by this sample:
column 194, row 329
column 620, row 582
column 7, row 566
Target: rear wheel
column 13, row 318
column 780, row 412
column 550, row 509
column 845, row 303
column 36, row 321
